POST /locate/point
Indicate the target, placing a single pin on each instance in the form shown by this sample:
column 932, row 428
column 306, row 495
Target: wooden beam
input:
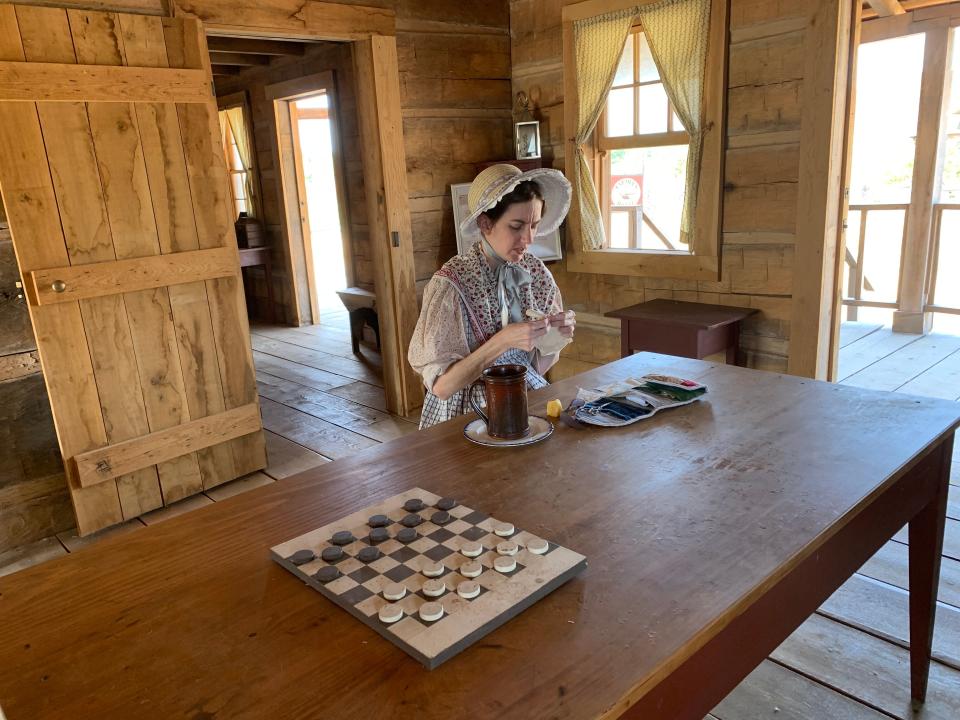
column 241, row 59
column 97, row 466
column 388, row 213
column 824, row 102
column 289, row 18
column 908, row 5
column 224, row 70
column 928, row 161
column 886, row 8
column 252, row 46
column 59, row 82
column 78, row 282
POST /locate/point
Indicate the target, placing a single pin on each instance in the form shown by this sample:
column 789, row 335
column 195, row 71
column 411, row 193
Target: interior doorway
column 320, row 196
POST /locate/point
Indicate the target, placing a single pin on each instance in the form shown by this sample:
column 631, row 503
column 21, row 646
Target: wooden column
column 824, row 103
column 928, row 162
column 391, row 238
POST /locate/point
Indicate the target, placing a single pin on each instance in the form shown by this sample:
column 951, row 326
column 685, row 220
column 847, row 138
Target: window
column 238, row 173
column 643, row 156
column 637, row 155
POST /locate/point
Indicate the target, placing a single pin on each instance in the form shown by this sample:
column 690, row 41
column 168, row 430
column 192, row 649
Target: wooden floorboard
column 351, row 369
column 303, row 374
column 774, row 691
column 940, row 381
column 883, row 610
column 374, row 424
column 890, row 565
column 311, row 432
column 851, row 332
column 951, row 538
column 874, row 671
column 898, row 369
column 362, row 393
column 286, row 458
column 870, row 349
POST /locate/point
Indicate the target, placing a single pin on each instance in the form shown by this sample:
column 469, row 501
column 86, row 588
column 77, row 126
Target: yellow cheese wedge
column 554, row 408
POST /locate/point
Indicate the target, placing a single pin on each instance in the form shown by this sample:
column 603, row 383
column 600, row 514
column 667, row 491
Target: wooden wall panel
column 767, row 56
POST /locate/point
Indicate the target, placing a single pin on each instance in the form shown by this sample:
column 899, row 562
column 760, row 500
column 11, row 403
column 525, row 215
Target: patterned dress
column 461, row 311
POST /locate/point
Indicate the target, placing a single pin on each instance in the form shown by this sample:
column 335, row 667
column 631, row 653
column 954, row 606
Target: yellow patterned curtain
column 242, row 138
column 598, row 43
column 678, row 31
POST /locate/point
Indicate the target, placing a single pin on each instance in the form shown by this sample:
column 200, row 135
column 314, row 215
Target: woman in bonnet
column 475, row 307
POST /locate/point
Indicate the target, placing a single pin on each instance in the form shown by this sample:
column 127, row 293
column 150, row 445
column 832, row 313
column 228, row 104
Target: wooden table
column 712, row 531
column 675, row 327
column 252, row 257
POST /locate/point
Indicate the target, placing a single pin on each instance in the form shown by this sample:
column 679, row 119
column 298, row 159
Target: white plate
column 540, row 429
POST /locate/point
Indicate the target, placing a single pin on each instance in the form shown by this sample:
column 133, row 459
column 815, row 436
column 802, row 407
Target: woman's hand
column 522, row 335
column 565, row 322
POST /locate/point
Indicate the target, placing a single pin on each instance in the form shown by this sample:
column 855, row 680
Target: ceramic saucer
column 540, row 429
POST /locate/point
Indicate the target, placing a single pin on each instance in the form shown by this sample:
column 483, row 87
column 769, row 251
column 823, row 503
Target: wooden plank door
column 116, row 192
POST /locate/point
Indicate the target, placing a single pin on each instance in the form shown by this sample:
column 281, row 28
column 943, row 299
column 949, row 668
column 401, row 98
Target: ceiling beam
column 252, row 46
column 224, row 70
column 229, row 58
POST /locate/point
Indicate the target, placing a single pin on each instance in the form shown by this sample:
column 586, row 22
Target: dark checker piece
column 407, row 535
column 446, row 503
column 441, row 517
column 344, row 537
column 368, row 554
column 414, row 505
column 327, row 573
column 332, row 554
column 379, row 535
column 302, row 556
column 411, row 520
column 376, row 521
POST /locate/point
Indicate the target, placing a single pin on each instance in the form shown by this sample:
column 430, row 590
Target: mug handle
column 475, row 405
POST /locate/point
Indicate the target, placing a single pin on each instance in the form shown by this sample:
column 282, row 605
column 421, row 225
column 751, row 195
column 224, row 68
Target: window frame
column 702, row 262
column 226, row 102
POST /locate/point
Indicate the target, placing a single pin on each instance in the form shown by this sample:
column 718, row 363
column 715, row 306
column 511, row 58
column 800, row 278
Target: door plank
column 69, row 148
column 206, row 170
column 126, row 192
column 862, row 666
column 177, row 233
column 31, row 208
column 883, row 610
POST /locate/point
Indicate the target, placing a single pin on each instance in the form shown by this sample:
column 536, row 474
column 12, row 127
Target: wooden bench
column 674, row 327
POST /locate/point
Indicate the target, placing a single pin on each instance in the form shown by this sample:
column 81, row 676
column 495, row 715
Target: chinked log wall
column 762, row 170
column 454, row 65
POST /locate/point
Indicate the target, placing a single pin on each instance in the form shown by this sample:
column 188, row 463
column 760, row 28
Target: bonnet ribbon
column 512, row 280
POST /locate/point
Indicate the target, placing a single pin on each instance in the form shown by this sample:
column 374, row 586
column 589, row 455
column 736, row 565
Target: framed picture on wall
column 546, row 247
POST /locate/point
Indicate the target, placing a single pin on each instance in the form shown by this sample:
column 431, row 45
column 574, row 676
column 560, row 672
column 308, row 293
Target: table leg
column 625, row 350
column 926, row 547
column 268, row 277
column 734, row 344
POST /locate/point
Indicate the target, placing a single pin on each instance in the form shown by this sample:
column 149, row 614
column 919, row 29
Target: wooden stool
column 361, row 304
column 687, row 329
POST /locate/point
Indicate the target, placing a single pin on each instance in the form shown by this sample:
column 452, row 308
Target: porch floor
column 849, row 661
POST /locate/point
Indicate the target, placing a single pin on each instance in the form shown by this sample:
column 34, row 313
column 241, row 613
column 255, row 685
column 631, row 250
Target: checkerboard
column 359, row 587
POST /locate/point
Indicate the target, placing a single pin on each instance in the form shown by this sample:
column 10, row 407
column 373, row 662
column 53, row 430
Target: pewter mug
column 505, row 388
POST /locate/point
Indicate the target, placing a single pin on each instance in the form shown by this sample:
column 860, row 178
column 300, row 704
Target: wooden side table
column 674, row 327
column 250, row 257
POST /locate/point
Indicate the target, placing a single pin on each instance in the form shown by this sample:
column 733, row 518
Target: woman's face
column 513, row 233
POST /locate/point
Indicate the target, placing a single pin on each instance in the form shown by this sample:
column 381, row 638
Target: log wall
column 761, row 179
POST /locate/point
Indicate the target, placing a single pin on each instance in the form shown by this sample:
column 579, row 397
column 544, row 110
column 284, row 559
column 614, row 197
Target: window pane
column 950, row 185
column 620, row 112
column 885, row 126
column 660, row 173
column 239, row 186
column 236, row 161
column 947, row 290
column 654, row 107
column 620, row 229
column 624, row 74
column 678, row 123
column 648, row 68
column 881, row 255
